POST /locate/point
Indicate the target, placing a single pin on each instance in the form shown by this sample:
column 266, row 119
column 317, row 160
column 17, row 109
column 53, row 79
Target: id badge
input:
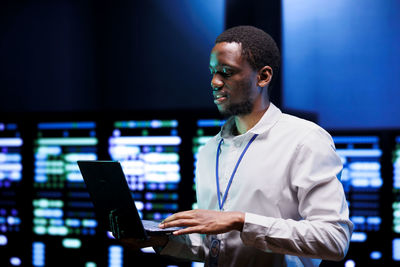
column 214, row 251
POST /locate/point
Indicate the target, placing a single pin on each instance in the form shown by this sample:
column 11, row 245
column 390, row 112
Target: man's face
column 234, row 82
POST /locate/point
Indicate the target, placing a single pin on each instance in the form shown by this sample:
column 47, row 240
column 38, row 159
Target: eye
column 226, row 72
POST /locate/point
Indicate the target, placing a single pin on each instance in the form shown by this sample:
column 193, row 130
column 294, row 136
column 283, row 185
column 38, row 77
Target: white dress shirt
column 286, row 184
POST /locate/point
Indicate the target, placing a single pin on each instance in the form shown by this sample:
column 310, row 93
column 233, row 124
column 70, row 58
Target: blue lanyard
column 221, row 204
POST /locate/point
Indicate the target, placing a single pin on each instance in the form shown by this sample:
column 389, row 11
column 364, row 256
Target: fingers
column 189, row 230
column 182, row 218
column 200, row 229
column 205, row 222
column 178, row 223
column 179, row 215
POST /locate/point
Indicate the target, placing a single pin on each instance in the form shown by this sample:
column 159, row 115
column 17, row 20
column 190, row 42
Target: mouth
column 220, row 97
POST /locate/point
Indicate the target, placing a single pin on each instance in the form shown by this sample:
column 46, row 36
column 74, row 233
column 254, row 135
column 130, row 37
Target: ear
column 264, row 76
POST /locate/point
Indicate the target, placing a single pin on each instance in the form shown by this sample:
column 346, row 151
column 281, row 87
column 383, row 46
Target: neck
column 246, row 122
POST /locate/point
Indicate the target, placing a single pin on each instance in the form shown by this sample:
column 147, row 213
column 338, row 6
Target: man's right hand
column 153, row 241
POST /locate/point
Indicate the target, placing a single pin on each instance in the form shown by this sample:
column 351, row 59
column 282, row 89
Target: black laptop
column 113, row 201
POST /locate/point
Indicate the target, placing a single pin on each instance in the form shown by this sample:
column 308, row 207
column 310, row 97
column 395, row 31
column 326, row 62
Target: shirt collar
column 270, row 117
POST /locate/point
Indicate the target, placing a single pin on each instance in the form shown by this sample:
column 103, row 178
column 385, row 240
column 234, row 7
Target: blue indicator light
column 374, row 220
column 349, row 263
column 11, row 126
column 57, row 222
column 396, row 249
column 66, row 125
column 115, row 256
column 80, row 204
column 89, row 223
column 210, row 123
column 355, row 139
column 358, row 219
column 3, row 240
column 38, row 254
column 376, row 255
column 358, row 237
column 15, row 261
column 73, row 222
column 40, row 178
column 72, row 243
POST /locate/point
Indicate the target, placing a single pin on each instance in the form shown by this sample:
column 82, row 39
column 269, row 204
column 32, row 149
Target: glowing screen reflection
column 149, row 155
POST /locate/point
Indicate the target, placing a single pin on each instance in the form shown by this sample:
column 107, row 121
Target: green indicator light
column 145, row 133
column 90, row 264
column 168, row 149
column 70, row 141
column 43, row 203
column 141, row 124
column 55, row 163
column 40, row 221
column 39, row 230
column 58, row 230
column 173, row 123
column 171, row 186
column 55, row 171
column 146, row 124
column 71, row 243
column 58, row 204
column 118, row 124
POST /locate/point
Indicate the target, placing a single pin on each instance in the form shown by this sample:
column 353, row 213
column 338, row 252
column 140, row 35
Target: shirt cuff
column 184, row 247
column 174, row 243
column 255, row 229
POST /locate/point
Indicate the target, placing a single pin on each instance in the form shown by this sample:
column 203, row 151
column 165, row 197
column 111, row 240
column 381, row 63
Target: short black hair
column 258, row 47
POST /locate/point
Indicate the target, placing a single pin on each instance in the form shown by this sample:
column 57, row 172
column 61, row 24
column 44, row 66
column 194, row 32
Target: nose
column 216, row 82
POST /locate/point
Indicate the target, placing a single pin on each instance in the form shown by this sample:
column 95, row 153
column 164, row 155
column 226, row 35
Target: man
column 267, row 184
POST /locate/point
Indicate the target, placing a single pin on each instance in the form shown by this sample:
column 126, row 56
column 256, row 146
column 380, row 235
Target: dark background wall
column 341, row 61
column 107, row 55
column 47, row 56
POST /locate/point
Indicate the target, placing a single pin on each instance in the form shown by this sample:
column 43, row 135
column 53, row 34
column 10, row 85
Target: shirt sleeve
column 325, row 229
column 189, row 247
